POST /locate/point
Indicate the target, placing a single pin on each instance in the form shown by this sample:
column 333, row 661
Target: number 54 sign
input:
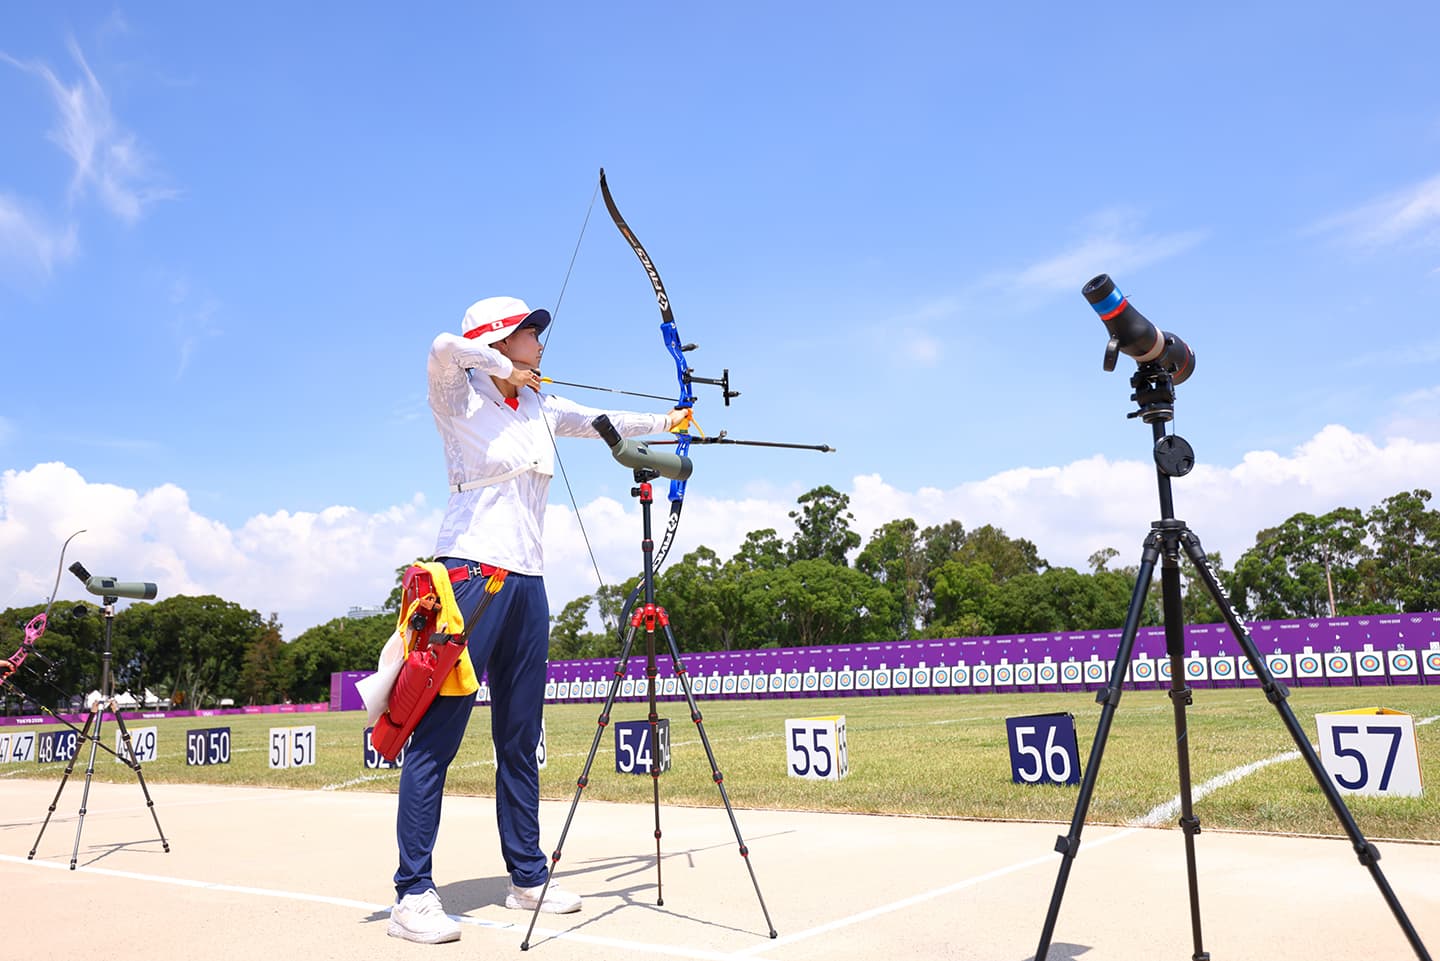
column 1370, row 751
column 1042, row 749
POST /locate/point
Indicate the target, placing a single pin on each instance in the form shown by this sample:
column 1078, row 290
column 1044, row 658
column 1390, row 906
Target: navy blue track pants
column 510, row 641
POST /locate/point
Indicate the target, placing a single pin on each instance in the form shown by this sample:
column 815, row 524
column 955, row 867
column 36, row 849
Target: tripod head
column 1154, row 392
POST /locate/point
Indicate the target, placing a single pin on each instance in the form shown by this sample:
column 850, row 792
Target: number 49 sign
column 1043, row 750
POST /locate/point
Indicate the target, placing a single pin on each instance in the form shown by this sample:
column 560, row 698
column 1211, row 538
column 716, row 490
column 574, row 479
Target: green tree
column 700, row 594
column 961, row 593
column 761, row 550
column 895, row 559
column 1406, row 564
column 65, row 662
column 1294, row 570
column 194, row 645
column 261, row 679
column 822, row 527
column 1101, row 558
column 341, row 644
column 1007, row 556
column 1059, row 599
column 814, row 602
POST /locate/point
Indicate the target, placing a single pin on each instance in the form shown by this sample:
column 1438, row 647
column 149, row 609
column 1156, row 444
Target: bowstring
column 564, row 476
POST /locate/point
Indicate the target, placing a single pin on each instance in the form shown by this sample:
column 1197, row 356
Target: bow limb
column 671, row 335
column 35, row 629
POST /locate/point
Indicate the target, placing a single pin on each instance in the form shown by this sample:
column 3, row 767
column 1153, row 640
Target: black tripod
column 1155, row 393
column 649, row 615
column 106, row 702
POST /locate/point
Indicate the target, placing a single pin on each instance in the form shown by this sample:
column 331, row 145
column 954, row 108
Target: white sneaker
column 557, row 899
column 421, row 918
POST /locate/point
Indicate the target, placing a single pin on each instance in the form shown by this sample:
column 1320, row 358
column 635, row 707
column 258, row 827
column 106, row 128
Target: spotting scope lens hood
column 1131, row 333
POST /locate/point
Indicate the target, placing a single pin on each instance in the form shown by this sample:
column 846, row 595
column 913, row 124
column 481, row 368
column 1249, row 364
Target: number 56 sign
column 1370, row 751
column 1042, row 749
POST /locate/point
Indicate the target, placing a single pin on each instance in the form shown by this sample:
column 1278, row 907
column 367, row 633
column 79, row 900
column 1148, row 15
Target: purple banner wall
column 152, row 715
column 1348, row 651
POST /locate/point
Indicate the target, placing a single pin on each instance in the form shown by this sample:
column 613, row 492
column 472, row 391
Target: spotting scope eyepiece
column 110, row 587
column 1132, row 334
column 635, row 454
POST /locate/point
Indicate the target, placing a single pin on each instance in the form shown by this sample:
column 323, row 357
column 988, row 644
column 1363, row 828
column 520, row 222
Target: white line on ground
column 1171, row 808
column 920, row 898
column 665, row 950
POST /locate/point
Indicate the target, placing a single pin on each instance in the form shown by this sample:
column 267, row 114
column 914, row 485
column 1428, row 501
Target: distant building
column 360, row 613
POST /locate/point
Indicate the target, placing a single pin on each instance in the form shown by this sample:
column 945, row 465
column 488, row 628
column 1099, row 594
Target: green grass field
column 941, row 756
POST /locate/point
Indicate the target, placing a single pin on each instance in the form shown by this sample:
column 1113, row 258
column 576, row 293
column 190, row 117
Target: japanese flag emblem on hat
column 496, row 318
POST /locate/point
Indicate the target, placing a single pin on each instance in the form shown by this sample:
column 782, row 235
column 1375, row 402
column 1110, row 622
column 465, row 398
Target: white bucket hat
column 496, row 318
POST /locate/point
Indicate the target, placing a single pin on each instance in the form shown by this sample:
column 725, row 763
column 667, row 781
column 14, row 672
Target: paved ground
column 305, row 875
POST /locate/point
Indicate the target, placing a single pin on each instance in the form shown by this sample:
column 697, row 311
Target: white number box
column 292, row 747
column 815, row 748
column 1370, row 750
column 143, row 740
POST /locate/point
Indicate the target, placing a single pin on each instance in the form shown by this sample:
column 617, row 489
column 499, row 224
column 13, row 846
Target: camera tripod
column 1155, row 394
column 95, row 717
column 649, row 615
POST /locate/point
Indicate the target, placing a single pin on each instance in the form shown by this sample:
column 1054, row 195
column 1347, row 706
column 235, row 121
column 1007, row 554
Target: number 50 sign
column 1042, row 749
column 1370, row 751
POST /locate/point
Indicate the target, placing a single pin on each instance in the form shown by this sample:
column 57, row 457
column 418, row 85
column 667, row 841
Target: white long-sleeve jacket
column 499, row 460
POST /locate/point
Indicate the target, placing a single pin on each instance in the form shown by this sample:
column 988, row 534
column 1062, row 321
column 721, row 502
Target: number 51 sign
column 1042, row 749
column 1370, row 750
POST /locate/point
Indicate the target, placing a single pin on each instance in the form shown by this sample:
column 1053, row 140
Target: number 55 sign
column 1370, row 751
column 815, row 748
column 1042, row 749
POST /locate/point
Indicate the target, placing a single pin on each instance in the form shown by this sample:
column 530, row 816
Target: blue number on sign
column 1342, row 751
column 1394, row 733
column 817, row 738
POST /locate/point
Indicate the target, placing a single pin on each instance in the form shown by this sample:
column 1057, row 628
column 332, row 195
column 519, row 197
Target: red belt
column 464, row 573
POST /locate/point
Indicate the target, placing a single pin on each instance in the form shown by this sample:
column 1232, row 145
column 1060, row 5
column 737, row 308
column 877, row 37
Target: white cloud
column 311, row 567
column 1115, row 240
column 28, row 243
column 106, row 157
column 1409, row 215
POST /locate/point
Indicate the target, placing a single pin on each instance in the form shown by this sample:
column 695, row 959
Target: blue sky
column 228, row 235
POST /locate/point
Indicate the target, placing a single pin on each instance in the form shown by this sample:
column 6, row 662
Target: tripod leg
column 715, row 774
column 651, row 676
column 1277, row 694
column 89, row 773
column 584, row 778
column 129, row 759
column 69, row 769
column 1109, row 698
column 1180, row 698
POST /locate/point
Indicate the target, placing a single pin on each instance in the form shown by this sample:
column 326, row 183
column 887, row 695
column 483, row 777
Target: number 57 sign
column 1370, row 751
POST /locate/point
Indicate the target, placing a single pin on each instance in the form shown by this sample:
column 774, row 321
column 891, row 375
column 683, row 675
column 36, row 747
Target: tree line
column 821, row 585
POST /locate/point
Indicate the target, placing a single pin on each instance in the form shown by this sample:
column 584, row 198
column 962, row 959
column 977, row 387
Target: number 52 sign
column 1370, row 751
column 1042, row 749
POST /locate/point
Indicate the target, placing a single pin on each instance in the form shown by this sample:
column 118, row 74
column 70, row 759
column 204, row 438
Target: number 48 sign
column 1042, row 749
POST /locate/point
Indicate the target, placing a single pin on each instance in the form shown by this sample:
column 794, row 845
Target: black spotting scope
column 636, row 454
column 110, row 587
column 1131, row 333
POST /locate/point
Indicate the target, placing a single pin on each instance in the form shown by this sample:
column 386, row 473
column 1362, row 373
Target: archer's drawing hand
column 522, row 377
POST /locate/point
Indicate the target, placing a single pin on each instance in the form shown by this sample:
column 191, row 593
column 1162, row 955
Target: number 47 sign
column 1042, row 749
